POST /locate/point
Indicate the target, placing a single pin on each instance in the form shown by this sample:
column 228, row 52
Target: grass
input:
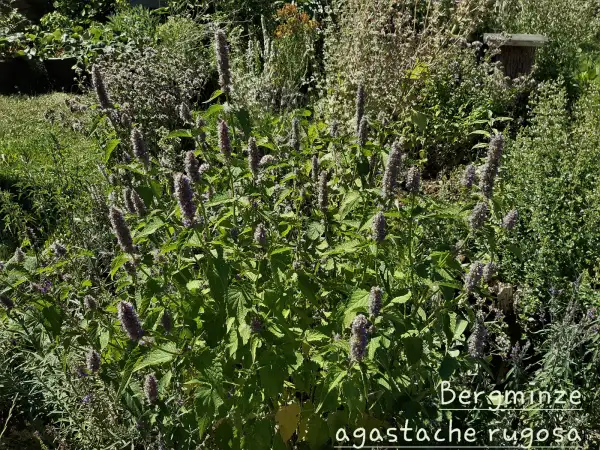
column 43, row 162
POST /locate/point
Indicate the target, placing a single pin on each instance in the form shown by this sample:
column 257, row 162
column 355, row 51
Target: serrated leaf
column 157, row 356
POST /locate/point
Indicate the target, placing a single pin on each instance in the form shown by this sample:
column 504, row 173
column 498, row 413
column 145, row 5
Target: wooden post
column 517, row 51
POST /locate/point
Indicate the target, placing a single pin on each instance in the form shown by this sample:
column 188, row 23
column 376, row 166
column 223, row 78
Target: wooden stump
column 517, row 51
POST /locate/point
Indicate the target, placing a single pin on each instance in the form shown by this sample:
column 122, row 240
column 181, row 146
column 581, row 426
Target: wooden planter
column 61, row 74
column 517, row 51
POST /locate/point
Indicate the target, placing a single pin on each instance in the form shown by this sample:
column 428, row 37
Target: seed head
column 19, row 256
column 360, row 105
column 363, row 131
column 378, row 227
column 413, row 180
column 90, row 303
column 478, row 215
column 130, row 321
column 253, row 156
column 100, row 88
column 491, row 166
column 469, row 176
column 375, row 301
column 322, row 191
column 334, row 130
column 151, row 388
column 510, row 219
column 58, row 249
column 315, row 168
column 205, row 167
column 358, row 339
column 93, row 361
column 473, row 278
column 266, row 160
column 392, row 170
column 260, row 235
column 295, row 136
column 140, row 150
column 489, row 270
column 185, row 199
column 185, row 114
column 129, row 206
column 222, row 54
column 121, row 229
column 139, row 207
column 224, row 142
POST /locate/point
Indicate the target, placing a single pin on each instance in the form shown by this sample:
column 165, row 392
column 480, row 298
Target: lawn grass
column 44, row 163
column 29, row 141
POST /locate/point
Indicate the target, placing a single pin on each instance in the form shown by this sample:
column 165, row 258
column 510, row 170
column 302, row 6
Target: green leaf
column 350, row 202
column 413, row 349
column 110, row 147
column 447, row 367
column 151, row 227
column 358, row 302
column 180, row 133
column 308, row 287
column 315, row 230
column 156, row 357
column 214, row 95
column 117, row 263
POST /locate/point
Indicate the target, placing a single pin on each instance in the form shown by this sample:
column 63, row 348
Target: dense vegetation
column 269, row 225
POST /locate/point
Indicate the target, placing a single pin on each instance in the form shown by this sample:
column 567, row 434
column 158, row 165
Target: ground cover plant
column 249, row 235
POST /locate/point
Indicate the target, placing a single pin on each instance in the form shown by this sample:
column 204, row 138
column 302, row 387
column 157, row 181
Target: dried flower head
column 392, row 170
column 100, row 88
column 375, row 301
column 473, row 278
column 224, row 141
column 267, row 160
column 260, row 235
column 489, row 270
column 253, row 156
column 139, row 206
column 322, row 191
column 185, row 114
column 151, row 388
column 130, row 321
column 129, row 206
column 469, row 176
column 478, row 215
column 93, row 361
column 315, row 169
column 205, row 167
column 358, row 339
column 19, row 256
column 121, row 229
column 360, row 105
column 90, row 303
column 140, row 150
column 363, row 131
column 222, row 54
column 185, row 199
column 510, row 219
column 295, row 135
column 58, row 249
column 413, row 180
column 378, row 227
column 192, row 166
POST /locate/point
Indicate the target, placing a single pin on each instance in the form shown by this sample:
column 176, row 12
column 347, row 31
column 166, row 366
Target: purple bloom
column 151, row 388
column 358, row 340
column 378, row 227
column 121, row 229
column 130, row 321
column 222, row 54
column 185, row 198
column 375, row 301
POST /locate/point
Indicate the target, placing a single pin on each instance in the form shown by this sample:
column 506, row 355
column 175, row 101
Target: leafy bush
column 290, row 285
column 417, row 66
